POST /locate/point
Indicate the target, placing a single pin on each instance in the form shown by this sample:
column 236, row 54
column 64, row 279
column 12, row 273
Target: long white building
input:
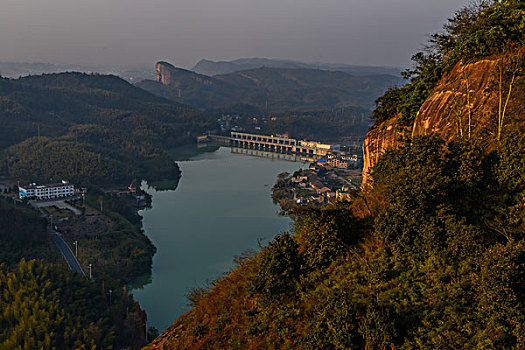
column 50, row 191
column 281, row 144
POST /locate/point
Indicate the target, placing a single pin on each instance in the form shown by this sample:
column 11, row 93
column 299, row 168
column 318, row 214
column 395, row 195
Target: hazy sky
column 140, row 32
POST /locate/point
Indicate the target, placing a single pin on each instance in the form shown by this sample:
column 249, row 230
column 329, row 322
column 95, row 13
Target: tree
column 279, row 268
column 509, row 68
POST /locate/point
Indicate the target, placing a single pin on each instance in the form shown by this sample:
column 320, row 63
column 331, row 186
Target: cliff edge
column 464, row 103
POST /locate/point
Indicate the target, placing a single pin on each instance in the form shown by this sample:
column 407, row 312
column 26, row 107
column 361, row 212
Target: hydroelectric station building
column 281, row 144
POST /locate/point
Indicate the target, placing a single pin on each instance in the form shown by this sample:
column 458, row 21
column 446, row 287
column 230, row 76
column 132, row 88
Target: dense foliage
column 439, row 265
column 23, row 234
column 484, row 29
column 336, row 125
column 102, row 129
column 404, row 102
column 45, row 307
column 118, row 249
column 46, row 160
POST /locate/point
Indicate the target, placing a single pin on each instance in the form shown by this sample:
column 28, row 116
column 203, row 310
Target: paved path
column 58, row 203
column 71, row 260
column 68, row 255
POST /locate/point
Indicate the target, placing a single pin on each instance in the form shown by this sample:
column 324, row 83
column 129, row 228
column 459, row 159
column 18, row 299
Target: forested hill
column 101, row 128
column 272, row 89
column 96, row 131
column 432, row 254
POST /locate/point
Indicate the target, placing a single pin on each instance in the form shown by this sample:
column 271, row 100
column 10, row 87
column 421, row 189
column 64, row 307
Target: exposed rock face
column 379, row 138
column 163, row 72
column 169, row 75
column 440, row 113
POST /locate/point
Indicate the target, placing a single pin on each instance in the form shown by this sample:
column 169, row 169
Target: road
column 66, row 252
column 68, row 255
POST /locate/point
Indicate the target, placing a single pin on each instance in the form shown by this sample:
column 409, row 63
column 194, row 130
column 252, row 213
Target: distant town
column 318, row 185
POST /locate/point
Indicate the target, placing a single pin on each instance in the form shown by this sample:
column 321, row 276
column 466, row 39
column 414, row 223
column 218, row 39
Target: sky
column 134, row 33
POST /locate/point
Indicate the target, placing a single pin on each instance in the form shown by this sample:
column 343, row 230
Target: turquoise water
column 221, row 208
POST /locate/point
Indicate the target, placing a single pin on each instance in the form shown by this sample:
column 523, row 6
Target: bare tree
column 508, row 70
column 469, row 106
column 464, row 103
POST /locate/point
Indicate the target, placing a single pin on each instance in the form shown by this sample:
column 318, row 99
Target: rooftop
column 34, row 186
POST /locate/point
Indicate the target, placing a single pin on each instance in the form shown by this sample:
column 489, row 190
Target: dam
column 274, row 144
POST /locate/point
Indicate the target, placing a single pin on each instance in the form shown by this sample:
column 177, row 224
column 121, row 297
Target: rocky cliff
column 379, row 138
column 163, row 72
column 168, row 74
column 465, row 90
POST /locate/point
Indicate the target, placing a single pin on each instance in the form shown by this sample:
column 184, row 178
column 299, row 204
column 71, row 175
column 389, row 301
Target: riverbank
column 100, row 304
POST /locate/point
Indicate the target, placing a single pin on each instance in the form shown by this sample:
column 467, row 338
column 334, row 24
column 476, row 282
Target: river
column 221, row 207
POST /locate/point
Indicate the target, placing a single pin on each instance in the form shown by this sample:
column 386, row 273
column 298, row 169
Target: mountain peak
column 162, row 72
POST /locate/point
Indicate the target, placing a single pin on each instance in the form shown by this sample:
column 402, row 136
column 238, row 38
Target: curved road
column 66, row 252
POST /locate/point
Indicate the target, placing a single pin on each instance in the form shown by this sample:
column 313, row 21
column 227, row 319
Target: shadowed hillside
column 103, row 129
column 272, row 89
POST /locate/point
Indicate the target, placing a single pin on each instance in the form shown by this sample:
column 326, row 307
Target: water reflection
column 220, row 208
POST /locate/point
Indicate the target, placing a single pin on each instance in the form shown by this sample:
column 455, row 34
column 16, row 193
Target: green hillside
column 23, row 235
column 103, row 129
column 46, row 307
column 96, row 131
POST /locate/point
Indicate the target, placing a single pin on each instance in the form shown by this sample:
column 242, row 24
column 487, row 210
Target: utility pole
column 89, row 271
column 76, row 248
column 110, row 291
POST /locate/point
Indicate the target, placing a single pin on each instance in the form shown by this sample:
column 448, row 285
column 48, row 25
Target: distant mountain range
column 206, row 67
column 269, row 88
column 211, row 68
column 16, row 69
column 20, row 69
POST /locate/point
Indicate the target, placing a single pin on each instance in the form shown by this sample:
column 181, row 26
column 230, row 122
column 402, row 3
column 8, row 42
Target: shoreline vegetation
column 97, row 132
column 111, row 245
column 103, row 307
